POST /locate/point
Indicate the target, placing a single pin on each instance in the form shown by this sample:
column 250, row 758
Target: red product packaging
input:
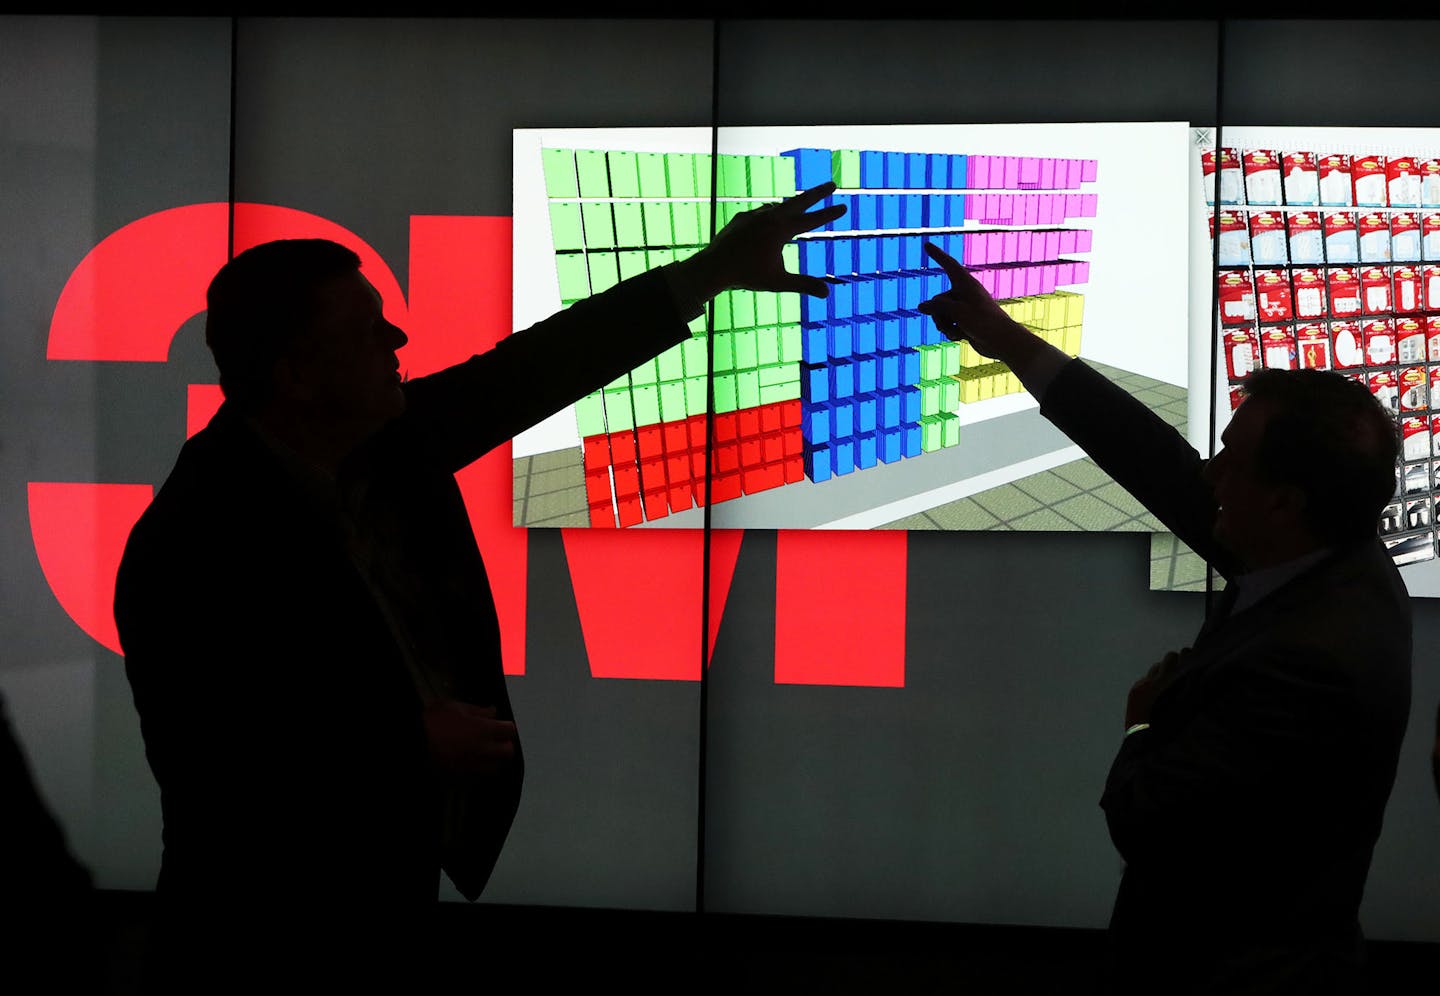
column 1267, row 238
column 1373, row 229
column 1430, row 183
column 1414, row 394
column 1430, row 286
column 1405, row 237
column 1432, row 338
column 1383, row 385
column 1341, row 244
column 1375, row 290
column 1262, row 176
column 1379, row 338
column 1344, row 289
column 1272, row 296
column 1415, row 437
column 1237, row 395
column 1302, row 179
column 1368, row 175
column 1335, row 187
column 1230, row 180
column 1277, row 345
column 1312, row 346
column 1405, row 282
column 1237, row 298
column 1345, row 345
column 1242, row 353
column 1306, row 237
column 1308, row 293
column 1430, row 236
column 1409, row 340
column 1402, row 181
column 1234, row 248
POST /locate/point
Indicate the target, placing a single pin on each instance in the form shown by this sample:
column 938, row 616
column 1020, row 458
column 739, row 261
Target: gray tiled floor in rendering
column 550, row 491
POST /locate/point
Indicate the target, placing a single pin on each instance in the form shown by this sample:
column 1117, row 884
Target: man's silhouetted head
column 260, row 302
column 1310, row 450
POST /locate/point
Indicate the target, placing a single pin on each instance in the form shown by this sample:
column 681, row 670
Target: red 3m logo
column 639, row 592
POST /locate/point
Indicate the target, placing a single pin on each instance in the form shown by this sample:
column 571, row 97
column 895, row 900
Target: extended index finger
column 813, row 195
column 952, row 267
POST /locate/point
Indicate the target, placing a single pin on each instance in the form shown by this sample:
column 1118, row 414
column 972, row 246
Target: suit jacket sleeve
column 466, row 410
column 1146, row 456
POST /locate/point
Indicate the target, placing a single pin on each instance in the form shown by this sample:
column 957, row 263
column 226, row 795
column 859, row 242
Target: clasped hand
column 1145, row 691
column 467, row 742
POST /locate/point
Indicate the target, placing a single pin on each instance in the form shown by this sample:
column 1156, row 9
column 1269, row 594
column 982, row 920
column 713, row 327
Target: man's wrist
column 692, row 284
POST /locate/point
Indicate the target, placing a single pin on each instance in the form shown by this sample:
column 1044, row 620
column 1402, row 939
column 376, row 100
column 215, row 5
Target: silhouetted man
column 1249, row 789
column 308, row 628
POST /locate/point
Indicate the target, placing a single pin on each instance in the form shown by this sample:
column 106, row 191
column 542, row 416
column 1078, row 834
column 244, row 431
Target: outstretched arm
column 474, row 406
column 1144, row 454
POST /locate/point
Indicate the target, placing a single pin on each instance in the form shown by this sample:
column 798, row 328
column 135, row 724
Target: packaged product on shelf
column 1402, row 181
column 1432, row 338
column 1375, row 290
column 1344, row 287
column 1434, row 433
column 1378, row 335
column 1231, row 184
column 1237, row 297
column 1430, row 235
column 1262, row 177
column 1409, row 340
column 1405, row 279
column 1307, row 288
column 1272, row 296
column 1417, row 513
column 1267, row 238
column 1242, row 352
column 1312, row 346
column 1430, row 183
column 1405, row 237
column 1415, row 438
column 1415, row 479
column 1384, row 388
column 1234, row 239
column 1335, row 186
column 1411, row 549
column 1307, row 245
column 1430, row 286
column 1392, row 519
column 1341, row 243
column 1415, row 397
column 1237, row 395
column 1374, row 229
column 1277, row 345
column 1345, row 345
column 1302, row 179
column 1368, row 174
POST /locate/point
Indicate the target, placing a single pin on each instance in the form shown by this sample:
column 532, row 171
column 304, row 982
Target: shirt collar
column 1255, row 585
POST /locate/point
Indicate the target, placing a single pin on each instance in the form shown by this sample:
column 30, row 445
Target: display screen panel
column 852, row 411
column 1329, row 258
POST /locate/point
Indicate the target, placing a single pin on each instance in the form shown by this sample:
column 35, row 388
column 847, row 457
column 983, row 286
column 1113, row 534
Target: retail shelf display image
column 852, row 411
column 1329, row 258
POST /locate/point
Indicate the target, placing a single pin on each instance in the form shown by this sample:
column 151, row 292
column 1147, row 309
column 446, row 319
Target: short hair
column 1328, row 436
column 259, row 302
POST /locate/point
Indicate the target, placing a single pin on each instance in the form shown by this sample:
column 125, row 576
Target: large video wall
column 908, row 714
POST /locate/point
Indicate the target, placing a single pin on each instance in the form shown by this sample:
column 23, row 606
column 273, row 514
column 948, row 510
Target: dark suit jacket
column 301, row 818
column 1247, row 813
